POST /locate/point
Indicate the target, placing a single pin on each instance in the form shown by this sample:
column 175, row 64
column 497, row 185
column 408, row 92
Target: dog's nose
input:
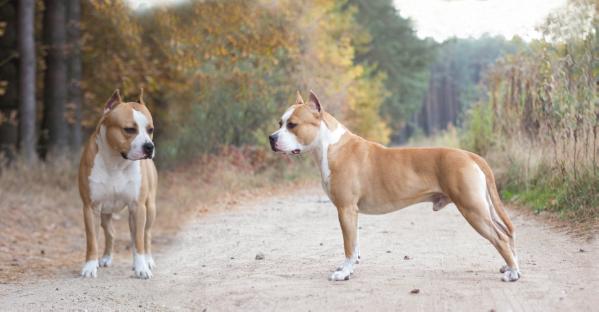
column 148, row 148
column 273, row 140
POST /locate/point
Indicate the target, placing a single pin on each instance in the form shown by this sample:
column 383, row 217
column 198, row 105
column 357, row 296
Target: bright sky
column 442, row 19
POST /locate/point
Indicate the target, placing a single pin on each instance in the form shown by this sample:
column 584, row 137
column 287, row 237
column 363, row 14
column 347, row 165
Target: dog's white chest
column 113, row 185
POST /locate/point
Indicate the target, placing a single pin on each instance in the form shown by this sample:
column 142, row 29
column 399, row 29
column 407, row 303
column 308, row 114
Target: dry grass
column 41, row 228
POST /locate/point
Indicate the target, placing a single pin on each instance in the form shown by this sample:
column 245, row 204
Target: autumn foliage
column 221, row 72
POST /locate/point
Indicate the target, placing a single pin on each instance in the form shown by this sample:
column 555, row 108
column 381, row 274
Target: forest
column 218, row 74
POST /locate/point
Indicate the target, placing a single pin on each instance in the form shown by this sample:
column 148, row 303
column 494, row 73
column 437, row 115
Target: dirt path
column 212, row 266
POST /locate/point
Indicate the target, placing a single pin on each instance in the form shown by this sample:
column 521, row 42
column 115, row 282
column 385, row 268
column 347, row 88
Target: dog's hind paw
column 106, row 261
column 90, row 269
column 511, row 275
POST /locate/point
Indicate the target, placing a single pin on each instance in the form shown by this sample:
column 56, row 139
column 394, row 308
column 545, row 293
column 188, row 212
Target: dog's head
column 128, row 127
column 299, row 127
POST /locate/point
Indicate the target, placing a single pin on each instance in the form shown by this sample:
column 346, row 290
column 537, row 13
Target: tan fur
column 115, row 119
column 370, row 178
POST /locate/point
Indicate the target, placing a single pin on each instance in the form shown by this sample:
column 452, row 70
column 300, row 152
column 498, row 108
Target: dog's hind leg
column 476, row 212
column 106, row 259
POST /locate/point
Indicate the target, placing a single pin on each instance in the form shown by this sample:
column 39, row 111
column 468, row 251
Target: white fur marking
column 106, row 261
column 150, row 261
column 321, row 144
column 287, row 142
column 344, row 270
column 141, row 267
column 136, row 151
column 114, row 182
column 90, row 269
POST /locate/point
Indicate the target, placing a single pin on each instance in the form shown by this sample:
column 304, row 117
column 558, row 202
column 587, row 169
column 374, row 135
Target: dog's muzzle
column 148, row 149
column 273, row 142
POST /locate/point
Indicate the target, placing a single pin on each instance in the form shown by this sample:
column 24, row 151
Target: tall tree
column 395, row 51
column 27, row 110
column 55, row 79
column 9, row 71
column 75, row 98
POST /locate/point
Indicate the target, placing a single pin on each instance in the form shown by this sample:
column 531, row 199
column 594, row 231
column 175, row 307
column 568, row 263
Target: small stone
column 259, row 256
column 56, row 288
column 321, row 244
column 407, row 258
column 388, row 251
column 43, row 252
column 232, row 258
column 581, row 250
column 415, row 291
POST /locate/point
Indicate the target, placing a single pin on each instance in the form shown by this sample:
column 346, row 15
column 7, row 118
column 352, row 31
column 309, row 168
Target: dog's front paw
column 141, row 268
column 90, row 269
column 343, row 272
column 511, row 275
column 106, row 261
column 340, row 275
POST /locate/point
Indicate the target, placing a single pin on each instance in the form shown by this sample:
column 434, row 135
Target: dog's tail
column 495, row 200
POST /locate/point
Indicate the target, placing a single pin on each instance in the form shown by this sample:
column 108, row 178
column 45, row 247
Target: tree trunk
column 9, row 80
column 55, row 79
column 74, row 70
column 27, row 110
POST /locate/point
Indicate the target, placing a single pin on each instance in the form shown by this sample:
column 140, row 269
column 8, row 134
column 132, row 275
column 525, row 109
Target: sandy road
column 212, row 266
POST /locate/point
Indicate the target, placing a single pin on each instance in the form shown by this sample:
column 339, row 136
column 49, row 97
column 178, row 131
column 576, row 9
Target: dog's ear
column 298, row 99
column 141, row 96
column 114, row 100
column 314, row 102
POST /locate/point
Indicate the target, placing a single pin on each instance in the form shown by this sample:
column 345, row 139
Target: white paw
column 503, row 269
column 90, row 269
column 106, row 261
column 150, row 262
column 340, row 275
column 343, row 272
column 511, row 275
column 141, row 267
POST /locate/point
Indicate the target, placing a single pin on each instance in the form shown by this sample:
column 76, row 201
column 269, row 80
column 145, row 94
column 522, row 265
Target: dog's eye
column 150, row 130
column 130, row 130
column 280, row 123
column 291, row 125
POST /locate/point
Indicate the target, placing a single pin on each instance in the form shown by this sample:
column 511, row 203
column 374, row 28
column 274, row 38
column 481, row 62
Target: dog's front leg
column 90, row 269
column 348, row 219
column 137, row 224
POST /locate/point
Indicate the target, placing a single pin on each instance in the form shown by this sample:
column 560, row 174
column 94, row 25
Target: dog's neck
column 111, row 158
column 330, row 133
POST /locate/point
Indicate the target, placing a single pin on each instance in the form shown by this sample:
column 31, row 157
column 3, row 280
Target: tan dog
column 117, row 170
column 363, row 176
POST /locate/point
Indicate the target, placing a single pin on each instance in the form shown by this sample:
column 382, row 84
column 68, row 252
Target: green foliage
column 477, row 132
column 575, row 200
column 221, row 72
column 396, row 51
column 543, row 104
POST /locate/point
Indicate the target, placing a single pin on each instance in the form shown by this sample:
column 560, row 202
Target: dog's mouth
column 124, row 156
column 295, row 151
